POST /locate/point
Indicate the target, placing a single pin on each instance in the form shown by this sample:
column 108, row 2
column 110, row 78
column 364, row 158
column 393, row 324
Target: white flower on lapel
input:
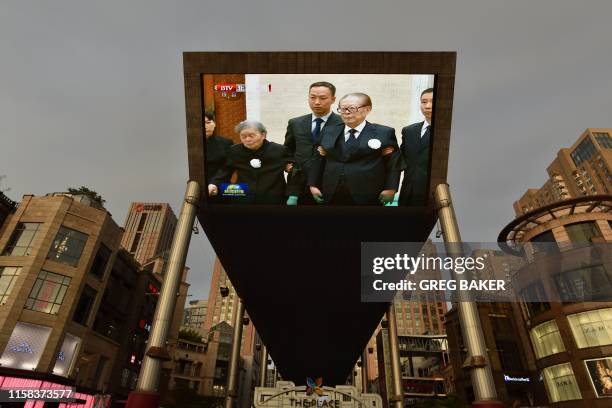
column 255, row 163
column 374, row 144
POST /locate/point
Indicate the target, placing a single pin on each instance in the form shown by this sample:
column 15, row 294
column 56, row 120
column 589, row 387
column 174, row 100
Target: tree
column 190, row 335
column 87, row 192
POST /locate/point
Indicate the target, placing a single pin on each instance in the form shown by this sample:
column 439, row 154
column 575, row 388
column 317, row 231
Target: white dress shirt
column 314, row 117
column 424, row 128
column 358, row 129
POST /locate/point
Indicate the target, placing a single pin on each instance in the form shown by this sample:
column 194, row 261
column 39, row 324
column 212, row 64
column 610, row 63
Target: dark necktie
column 425, row 138
column 317, row 130
column 350, row 142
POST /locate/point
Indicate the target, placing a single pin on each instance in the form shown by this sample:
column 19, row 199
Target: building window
column 125, row 375
column 67, row 246
column 141, row 223
column 67, row 352
column 592, row 328
column 604, row 140
column 582, row 232
column 99, row 264
column 8, row 276
column 584, row 151
column 546, row 339
column 21, row 241
column 48, row 292
column 533, row 297
column 135, row 242
column 25, row 346
column 583, row 285
column 81, row 314
column 545, row 242
column 561, row 383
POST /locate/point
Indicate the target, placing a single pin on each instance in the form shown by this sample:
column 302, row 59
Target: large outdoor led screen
column 316, row 139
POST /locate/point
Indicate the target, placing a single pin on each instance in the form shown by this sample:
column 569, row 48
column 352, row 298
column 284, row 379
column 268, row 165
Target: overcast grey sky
column 91, row 93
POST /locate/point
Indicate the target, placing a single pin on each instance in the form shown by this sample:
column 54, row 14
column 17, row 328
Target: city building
column 149, row 230
column 195, row 316
column 585, row 168
column 419, row 316
column 565, row 294
column 510, row 356
column 423, row 314
column 564, row 288
column 125, row 315
column 202, row 364
column 75, row 307
column 422, row 358
column 222, row 308
column 56, row 257
column 222, row 299
column 189, row 358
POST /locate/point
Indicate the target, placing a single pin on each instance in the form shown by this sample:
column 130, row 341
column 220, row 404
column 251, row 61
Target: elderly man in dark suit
column 303, row 134
column 354, row 170
column 416, row 141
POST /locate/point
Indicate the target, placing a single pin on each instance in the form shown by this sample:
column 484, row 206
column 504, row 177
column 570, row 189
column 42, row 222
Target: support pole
column 145, row 395
column 477, row 359
column 397, row 399
column 263, row 369
column 232, row 380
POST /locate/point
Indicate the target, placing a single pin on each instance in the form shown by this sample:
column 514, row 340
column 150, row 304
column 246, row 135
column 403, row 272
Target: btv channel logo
column 234, row 189
column 230, row 91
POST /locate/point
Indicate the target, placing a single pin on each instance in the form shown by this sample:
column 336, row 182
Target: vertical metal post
column 364, row 371
column 263, row 369
column 232, row 380
column 397, row 399
column 477, row 360
column 146, row 394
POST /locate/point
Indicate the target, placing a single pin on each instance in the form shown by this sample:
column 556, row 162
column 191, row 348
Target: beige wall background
column 273, row 99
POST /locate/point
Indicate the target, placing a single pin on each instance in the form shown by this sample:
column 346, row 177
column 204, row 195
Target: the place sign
column 312, row 402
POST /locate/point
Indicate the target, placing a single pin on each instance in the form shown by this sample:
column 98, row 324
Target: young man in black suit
column 259, row 165
column 303, row 134
column 354, row 171
column 416, row 142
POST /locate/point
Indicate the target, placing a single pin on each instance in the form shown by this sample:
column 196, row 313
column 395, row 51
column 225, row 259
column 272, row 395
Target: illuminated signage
column 312, row 402
column 508, row 378
column 23, row 347
column 148, row 207
column 235, row 189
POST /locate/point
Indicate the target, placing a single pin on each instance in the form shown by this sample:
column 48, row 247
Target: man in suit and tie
column 353, row 170
column 416, row 141
column 303, row 134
